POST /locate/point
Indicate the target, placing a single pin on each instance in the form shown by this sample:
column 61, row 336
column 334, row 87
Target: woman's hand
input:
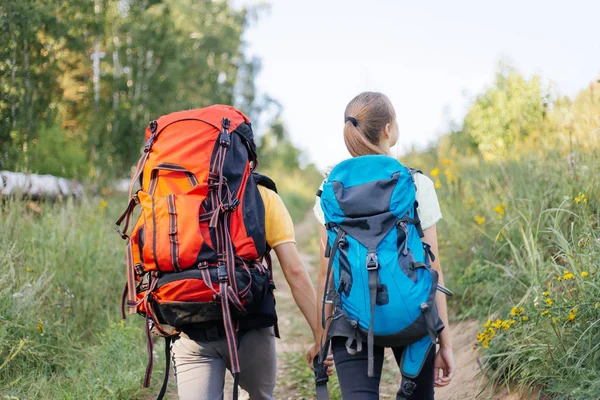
column 444, row 361
column 313, row 351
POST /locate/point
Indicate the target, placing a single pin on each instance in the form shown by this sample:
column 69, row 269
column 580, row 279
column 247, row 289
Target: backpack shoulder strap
column 265, row 181
column 414, row 171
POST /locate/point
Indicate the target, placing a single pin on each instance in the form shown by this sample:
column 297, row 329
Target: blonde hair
column 371, row 111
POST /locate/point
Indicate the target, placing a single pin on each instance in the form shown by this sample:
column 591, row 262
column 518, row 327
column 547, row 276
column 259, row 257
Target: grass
column 522, row 234
column 61, row 275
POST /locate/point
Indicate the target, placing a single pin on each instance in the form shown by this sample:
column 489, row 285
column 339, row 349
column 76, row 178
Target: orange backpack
column 197, row 252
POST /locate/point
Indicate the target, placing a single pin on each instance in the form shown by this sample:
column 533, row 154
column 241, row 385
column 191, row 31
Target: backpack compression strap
column 373, row 277
column 321, row 379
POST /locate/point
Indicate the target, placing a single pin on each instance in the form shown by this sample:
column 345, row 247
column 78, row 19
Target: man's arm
column 302, row 288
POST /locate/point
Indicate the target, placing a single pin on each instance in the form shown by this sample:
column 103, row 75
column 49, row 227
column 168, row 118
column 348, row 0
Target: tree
column 505, row 114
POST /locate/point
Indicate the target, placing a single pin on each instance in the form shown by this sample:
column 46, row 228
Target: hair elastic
column 353, row 120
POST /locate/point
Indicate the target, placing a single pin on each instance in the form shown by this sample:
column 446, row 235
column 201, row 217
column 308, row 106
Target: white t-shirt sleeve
column 318, row 210
column 429, row 207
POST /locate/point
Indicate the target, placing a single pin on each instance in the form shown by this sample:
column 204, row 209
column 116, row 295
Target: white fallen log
column 38, row 186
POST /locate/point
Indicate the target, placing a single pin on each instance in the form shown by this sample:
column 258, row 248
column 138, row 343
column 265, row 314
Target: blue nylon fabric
column 414, row 356
column 360, row 170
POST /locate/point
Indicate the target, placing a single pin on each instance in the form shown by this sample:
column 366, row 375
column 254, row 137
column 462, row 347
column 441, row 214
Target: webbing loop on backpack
column 329, row 279
column 373, row 277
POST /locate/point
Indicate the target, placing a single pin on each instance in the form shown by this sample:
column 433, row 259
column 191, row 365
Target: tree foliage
column 95, row 72
column 510, row 111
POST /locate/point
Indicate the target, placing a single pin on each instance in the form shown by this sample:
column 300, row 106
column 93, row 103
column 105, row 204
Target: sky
column 431, row 58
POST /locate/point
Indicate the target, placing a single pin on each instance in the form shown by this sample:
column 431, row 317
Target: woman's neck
column 385, row 147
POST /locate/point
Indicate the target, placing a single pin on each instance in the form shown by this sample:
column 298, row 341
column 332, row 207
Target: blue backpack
column 383, row 286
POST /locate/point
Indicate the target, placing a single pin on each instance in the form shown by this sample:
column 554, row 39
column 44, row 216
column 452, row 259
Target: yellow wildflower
column 580, row 199
column 28, row 269
column 559, row 279
column 486, row 344
column 58, row 288
column 435, row 172
column 546, row 293
column 575, row 309
column 487, row 324
column 103, row 204
column 522, row 309
column 515, row 311
column 568, row 276
column 438, row 184
column 479, row 219
column 501, row 235
column 549, row 301
column 545, row 312
column 584, row 274
column 40, row 327
column 499, row 209
column 571, row 317
column 555, row 320
column 597, row 305
column 497, row 324
column 525, row 318
column 480, row 337
column 584, row 242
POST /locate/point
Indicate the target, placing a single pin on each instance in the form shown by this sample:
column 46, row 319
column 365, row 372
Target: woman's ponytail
column 356, row 143
column 365, row 118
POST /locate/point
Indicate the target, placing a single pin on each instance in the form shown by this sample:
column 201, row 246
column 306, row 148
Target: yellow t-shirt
column 279, row 228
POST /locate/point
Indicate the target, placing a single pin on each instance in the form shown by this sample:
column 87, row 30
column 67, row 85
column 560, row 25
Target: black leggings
column 352, row 372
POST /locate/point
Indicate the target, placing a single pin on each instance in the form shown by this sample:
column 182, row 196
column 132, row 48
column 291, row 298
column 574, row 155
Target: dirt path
column 466, row 380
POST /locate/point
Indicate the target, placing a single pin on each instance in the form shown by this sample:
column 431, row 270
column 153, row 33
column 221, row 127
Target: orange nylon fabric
column 190, row 290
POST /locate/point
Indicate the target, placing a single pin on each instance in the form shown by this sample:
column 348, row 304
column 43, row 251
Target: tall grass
column 520, row 245
column 61, row 273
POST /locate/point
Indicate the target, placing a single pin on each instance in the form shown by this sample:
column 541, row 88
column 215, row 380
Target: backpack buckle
column 148, row 144
column 222, row 273
column 224, row 139
column 372, row 262
column 123, row 235
column 231, row 206
column 153, row 127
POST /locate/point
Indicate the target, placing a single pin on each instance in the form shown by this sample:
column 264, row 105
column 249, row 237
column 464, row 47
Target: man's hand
column 313, row 351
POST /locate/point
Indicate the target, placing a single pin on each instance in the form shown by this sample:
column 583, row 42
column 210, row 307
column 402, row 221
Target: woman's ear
column 387, row 131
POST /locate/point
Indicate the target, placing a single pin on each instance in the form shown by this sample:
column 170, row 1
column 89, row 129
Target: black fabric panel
column 345, row 270
column 406, row 259
column 245, row 132
column 369, row 231
column 179, row 314
column 207, row 253
column 370, row 198
column 383, row 297
column 265, row 181
column 234, row 167
column 254, row 216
